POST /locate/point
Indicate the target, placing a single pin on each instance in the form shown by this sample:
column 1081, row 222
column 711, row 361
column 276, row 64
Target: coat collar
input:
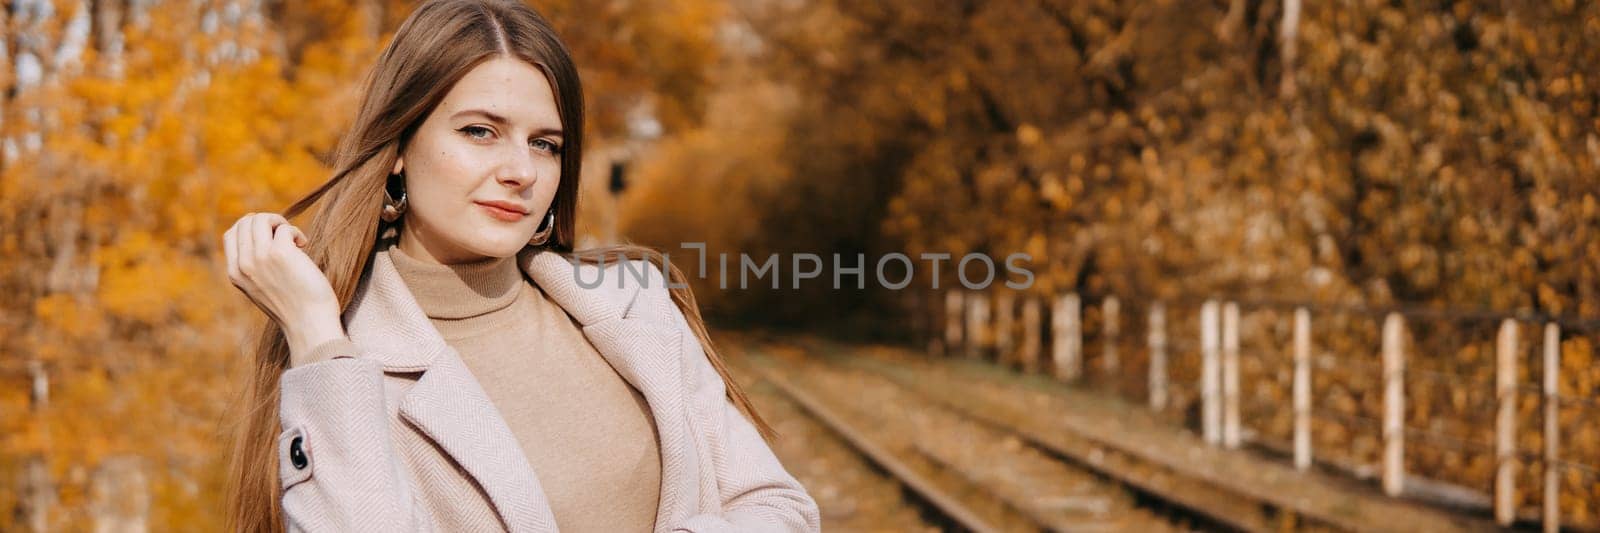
column 386, row 321
column 635, row 334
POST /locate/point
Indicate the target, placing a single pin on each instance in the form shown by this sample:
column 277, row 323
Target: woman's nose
column 517, row 172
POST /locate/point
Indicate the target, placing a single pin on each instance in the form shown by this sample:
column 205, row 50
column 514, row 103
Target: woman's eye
column 545, row 145
column 476, row 132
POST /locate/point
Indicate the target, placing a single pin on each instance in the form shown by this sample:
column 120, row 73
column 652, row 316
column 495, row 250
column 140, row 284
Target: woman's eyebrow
column 497, row 119
column 502, row 121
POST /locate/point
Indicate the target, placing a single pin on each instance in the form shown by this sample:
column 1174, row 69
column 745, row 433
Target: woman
column 437, row 357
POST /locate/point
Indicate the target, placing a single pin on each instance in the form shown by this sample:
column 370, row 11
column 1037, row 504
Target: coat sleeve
column 757, row 494
column 337, row 464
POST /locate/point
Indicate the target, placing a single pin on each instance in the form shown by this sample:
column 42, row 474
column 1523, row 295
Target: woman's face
column 483, row 168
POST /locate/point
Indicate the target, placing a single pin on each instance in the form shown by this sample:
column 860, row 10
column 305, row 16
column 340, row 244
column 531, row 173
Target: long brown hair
column 433, row 49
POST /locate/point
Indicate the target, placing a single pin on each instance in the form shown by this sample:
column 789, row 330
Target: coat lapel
column 446, row 404
column 449, row 406
column 634, row 333
column 631, row 331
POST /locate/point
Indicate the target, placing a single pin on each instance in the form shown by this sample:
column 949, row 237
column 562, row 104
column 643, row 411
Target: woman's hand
column 266, row 263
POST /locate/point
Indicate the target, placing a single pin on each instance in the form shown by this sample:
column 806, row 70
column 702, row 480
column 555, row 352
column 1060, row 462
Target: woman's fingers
column 299, row 237
column 287, row 237
column 258, row 241
column 249, row 242
column 230, row 250
column 274, row 220
column 266, row 263
column 261, row 230
column 245, row 245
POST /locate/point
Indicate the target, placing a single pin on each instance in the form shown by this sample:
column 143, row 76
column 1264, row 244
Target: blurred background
column 1438, row 160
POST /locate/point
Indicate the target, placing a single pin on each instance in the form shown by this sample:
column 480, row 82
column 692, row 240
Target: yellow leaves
column 126, row 289
column 1551, row 300
column 1559, row 86
column 1112, row 208
column 1037, row 246
column 958, row 80
column 1028, row 135
column 159, row 156
column 1051, row 189
column 145, row 281
column 1579, row 368
column 68, row 315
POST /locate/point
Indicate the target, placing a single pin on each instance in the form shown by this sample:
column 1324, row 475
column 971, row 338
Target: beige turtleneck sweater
column 587, row 433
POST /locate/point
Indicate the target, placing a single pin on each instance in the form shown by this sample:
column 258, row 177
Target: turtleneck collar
column 459, row 291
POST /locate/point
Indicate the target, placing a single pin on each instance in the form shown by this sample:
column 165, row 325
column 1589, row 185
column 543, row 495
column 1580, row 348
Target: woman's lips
column 501, row 213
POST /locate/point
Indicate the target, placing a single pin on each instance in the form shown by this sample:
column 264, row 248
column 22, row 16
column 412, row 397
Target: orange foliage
column 125, row 161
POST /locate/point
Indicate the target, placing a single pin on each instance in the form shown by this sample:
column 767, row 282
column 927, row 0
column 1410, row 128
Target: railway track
column 952, row 471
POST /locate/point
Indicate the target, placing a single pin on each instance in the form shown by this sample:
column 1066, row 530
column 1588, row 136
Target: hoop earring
column 546, row 228
column 392, row 209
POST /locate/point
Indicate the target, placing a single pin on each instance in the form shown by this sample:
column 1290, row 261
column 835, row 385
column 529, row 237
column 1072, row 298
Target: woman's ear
column 399, row 165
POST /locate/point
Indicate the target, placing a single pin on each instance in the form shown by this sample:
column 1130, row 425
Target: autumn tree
column 1354, row 154
column 131, row 136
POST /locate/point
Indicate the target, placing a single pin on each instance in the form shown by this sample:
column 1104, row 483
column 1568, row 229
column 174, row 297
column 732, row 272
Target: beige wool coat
column 365, row 432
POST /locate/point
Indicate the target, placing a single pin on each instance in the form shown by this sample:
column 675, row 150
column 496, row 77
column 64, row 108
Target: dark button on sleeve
column 297, row 454
column 294, row 458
